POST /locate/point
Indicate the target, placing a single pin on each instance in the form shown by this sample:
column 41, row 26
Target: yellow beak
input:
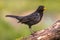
column 44, row 8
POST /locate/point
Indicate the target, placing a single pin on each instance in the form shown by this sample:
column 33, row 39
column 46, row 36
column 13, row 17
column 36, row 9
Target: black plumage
column 31, row 19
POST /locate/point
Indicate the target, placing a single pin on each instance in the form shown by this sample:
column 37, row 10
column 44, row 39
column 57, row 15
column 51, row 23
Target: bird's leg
column 31, row 30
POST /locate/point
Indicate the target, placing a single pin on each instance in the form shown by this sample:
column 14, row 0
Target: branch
column 51, row 33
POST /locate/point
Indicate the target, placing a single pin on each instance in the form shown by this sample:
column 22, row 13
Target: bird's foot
column 33, row 34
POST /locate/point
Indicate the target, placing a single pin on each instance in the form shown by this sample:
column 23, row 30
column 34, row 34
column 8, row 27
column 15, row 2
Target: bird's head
column 41, row 8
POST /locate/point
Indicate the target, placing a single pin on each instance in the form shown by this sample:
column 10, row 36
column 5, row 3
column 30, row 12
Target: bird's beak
column 44, row 8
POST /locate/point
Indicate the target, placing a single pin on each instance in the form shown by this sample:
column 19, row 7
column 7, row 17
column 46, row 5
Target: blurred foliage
column 8, row 32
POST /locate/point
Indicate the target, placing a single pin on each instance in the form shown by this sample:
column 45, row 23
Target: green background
column 11, row 30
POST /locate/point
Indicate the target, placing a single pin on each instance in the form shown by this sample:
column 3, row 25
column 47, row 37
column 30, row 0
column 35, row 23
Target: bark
column 51, row 33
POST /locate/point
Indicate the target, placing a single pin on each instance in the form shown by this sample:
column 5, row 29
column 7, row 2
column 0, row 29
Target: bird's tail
column 13, row 16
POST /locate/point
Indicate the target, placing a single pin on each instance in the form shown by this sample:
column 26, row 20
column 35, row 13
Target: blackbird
column 31, row 19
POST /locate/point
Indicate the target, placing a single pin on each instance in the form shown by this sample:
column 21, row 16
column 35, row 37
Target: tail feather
column 13, row 16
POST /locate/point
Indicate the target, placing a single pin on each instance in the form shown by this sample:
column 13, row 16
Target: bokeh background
column 11, row 30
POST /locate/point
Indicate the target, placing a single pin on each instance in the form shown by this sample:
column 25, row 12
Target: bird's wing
column 24, row 19
column 34, row 16
column 31, row 17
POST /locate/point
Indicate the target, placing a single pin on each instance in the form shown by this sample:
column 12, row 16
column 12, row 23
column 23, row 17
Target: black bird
column 31, row 19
